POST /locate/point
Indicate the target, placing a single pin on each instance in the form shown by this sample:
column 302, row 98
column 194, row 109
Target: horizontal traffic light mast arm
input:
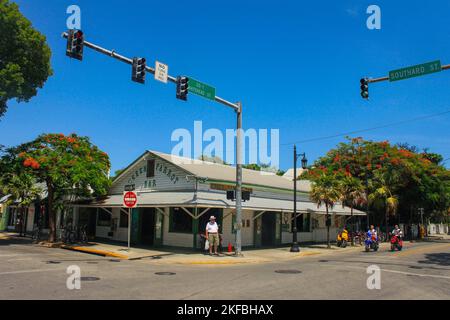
column 445, row 67
column 113, row 54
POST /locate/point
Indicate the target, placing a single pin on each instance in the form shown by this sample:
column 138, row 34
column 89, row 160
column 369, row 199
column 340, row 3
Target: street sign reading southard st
column 415, row 71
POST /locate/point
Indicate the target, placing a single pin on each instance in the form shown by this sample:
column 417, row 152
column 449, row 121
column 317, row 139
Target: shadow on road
column 442, row 259
column 15, row 240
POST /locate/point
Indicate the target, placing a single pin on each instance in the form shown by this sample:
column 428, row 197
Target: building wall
column 174, row 239
column 227, row 229
column 119, row 234
column 167, row 177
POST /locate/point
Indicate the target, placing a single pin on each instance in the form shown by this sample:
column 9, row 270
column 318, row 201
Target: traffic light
column 182, row 88
column 364, row 88
column 138, row 70
column 75, row 43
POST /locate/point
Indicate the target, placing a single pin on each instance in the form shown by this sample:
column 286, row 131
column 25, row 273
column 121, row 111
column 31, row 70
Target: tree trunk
column 353, row 228
column 328, row 228
column 387, row 228
column 51, row 214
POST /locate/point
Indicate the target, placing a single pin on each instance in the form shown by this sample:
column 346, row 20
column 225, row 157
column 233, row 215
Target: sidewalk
column 180, row 256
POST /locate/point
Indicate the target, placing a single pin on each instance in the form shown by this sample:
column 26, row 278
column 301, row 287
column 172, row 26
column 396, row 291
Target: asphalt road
column 421, row 271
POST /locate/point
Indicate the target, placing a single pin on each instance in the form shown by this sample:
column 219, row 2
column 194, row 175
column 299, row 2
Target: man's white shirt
column 212, row 227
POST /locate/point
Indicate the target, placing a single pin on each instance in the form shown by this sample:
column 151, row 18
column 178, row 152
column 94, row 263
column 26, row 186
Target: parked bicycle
column 36, row 234
column 73, row 234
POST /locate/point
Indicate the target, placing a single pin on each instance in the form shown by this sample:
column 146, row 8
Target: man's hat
column 212, row 218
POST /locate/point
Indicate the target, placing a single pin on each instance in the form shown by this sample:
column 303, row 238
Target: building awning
column 216, row 200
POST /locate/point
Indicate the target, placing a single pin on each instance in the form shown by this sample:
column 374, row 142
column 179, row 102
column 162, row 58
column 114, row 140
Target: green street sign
column 415, row 71
column 201, row 89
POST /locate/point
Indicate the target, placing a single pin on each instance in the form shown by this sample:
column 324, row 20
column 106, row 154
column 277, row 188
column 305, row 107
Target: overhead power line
column 392, row 124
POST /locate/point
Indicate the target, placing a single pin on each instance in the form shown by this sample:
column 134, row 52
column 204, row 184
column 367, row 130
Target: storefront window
column 104, row 218
column 180, row 221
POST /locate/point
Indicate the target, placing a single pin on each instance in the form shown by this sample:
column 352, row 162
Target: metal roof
column 221, row 172
column 216, row 200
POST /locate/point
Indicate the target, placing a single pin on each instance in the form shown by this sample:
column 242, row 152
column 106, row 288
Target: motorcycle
column 371, row 242
column 342, row 239
column 396, row 243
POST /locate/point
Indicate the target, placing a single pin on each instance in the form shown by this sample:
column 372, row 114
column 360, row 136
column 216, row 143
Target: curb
column 103, row 253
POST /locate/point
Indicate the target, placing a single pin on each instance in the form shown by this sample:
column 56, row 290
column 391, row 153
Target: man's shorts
column 213, row 239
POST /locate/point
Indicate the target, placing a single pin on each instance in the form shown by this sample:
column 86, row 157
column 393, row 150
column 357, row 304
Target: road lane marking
column 29, row 271
column 392, row 271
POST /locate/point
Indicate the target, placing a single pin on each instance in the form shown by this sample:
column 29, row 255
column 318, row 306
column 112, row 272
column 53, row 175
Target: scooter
column 371, row 242
column 342, row 239
column 396, row 243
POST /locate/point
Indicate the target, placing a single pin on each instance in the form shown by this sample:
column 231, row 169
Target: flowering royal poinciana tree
column 414, row 179
column 68, row 166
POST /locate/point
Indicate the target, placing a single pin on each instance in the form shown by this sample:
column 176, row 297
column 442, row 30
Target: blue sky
column 295, row 65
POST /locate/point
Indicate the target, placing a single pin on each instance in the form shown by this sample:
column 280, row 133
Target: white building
column 176, row 197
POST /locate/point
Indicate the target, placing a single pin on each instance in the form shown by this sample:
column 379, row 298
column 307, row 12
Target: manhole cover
column 89, row 278
column 288, row 271
column 91, row 262
column 323, row 260
column 165, row 273
column 114, row 260
column 53, row 262
column 415, row 267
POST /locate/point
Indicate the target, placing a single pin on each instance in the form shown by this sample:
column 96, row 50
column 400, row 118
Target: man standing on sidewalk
column 212, row 234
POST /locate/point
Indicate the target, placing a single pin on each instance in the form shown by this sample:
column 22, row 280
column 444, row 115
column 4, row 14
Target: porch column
column 195, row 228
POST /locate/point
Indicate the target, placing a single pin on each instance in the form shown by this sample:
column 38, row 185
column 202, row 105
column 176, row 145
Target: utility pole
column 237, row 107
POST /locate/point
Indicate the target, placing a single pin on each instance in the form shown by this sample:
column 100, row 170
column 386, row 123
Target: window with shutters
column 150, row 168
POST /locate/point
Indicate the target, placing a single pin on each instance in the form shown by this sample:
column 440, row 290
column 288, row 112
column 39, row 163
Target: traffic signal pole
column 445, row 67
column 237, row 107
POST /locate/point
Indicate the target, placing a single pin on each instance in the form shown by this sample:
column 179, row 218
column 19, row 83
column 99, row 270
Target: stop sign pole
column 129, row 201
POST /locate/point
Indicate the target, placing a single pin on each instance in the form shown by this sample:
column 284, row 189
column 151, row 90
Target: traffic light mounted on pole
column 364, row 88
column 138, row 70
column 75, row 43
column 237, row 107
column 182, row 87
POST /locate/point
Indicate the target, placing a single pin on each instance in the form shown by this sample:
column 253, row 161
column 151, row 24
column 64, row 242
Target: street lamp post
column 295, row 247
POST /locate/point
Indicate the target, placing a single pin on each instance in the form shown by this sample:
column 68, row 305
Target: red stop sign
column 130, row 199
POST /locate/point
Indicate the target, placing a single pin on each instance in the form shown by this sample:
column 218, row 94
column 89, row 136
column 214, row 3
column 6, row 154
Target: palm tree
column 23, row 191
column 325, row 190
column 353, row 194
column 384, row 197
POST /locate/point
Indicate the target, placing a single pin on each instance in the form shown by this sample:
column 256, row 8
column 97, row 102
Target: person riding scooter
column 342, row 238
column 371, row 241
column 396, row 239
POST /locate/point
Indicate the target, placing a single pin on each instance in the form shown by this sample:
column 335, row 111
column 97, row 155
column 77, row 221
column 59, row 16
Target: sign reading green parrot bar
column 415, row 71
column 201, row 89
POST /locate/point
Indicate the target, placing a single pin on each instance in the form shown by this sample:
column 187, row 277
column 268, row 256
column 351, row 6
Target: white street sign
column 161, row 71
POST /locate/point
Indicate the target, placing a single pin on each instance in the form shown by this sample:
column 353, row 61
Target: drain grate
column 53, row 262
column 288, row 271
column 165, row 273
column 89, row 278
column 91, row 262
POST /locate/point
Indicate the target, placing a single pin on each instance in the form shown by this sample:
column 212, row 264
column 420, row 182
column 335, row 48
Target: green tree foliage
column 326, row 191
column 24, row 56
column 69, row 166
column 412, row 178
